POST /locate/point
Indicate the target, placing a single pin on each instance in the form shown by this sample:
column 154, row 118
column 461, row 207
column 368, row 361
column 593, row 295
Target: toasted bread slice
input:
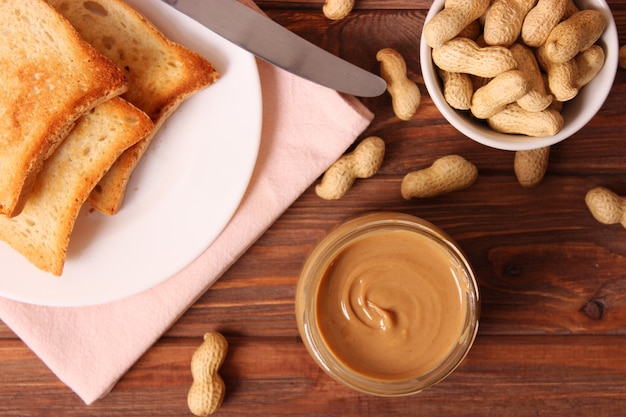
column 49, row 76
column 41, row 232
column 161, row 73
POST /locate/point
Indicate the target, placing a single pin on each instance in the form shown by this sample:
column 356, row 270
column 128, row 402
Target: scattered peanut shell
column 606, row 206
column 405, row 94
column 446, row 174
column 363, row 162
column 530, row 166
column 337, row 9
column 208, row 389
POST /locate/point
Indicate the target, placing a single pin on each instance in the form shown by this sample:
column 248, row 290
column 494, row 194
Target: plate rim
column 156, row 11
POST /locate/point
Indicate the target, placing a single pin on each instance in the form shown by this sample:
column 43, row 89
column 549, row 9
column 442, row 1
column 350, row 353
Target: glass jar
column 387, row 304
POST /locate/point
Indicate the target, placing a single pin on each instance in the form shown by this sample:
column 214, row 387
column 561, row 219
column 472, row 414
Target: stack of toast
column 86, row 85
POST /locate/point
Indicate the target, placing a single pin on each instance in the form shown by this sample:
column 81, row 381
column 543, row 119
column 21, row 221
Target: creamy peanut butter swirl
column 391, row 305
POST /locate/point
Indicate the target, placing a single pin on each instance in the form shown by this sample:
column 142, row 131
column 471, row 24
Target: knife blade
column 277, row 45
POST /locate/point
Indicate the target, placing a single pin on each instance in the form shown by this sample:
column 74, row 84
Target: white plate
column 181, row 196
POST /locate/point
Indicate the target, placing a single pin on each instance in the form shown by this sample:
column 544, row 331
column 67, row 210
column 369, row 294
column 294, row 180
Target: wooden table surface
column 552, row 339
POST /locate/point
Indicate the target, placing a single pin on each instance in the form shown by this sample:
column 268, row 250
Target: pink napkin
column 305, row 129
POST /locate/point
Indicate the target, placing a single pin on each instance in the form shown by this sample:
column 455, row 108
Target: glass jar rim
column 311, row 275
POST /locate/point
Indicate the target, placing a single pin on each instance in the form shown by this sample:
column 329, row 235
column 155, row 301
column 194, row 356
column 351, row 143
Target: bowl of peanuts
column 519, row 75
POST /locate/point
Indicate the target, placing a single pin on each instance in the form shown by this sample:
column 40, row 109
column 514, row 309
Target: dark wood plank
column 555, row 375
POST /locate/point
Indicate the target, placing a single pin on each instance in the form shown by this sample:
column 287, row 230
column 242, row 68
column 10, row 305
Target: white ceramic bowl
column 576, row 112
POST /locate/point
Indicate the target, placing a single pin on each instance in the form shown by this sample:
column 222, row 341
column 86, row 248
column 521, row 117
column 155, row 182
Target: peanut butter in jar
column 387, row 304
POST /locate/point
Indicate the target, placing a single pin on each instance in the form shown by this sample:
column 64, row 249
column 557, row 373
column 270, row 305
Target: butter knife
column 275, row 44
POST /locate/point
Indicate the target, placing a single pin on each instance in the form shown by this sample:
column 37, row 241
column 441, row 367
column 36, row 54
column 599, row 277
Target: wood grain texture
column 552, row 279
